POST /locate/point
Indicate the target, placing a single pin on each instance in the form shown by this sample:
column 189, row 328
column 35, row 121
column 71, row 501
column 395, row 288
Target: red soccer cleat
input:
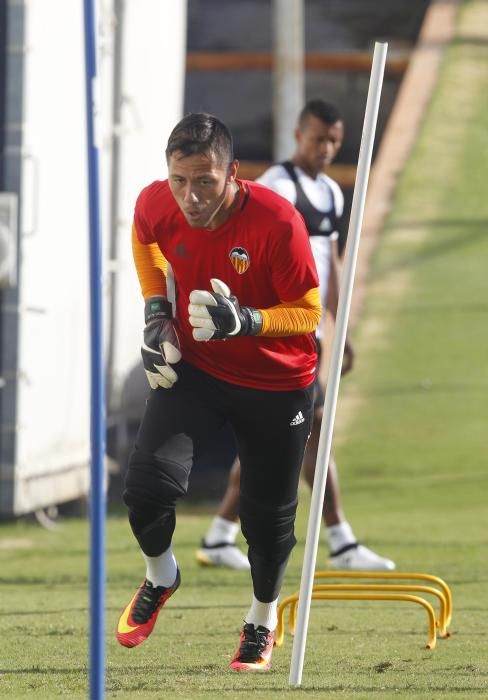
column 255, row 649
column 138, row 619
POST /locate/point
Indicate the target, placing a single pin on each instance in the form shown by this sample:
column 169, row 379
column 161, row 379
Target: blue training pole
column 97, row 493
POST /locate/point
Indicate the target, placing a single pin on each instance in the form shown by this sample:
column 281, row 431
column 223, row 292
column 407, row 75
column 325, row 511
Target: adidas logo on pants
column 298, row 419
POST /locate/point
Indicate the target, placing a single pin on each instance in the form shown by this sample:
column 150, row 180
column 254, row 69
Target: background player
column 302, row 181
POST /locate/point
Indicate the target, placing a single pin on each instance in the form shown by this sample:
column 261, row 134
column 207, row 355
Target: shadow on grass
column 121, row 582
column 437, row 307
column 469, row 40
column 48, row 669
column 476, row 228
column 114, row 608
column 426, row 386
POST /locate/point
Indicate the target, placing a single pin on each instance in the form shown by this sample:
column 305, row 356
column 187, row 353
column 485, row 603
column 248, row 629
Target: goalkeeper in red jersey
column 237, row 346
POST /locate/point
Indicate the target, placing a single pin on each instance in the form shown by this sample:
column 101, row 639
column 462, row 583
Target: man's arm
column 294, row 317
column 217, row 315
column 150, row 267
column 160, row 348
column 333, row 301
column 333, row 281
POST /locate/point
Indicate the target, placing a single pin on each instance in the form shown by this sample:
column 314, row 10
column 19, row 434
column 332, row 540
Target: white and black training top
column 321, row 203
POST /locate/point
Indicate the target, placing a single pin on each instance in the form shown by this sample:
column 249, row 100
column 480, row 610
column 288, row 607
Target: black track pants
column 181, row 424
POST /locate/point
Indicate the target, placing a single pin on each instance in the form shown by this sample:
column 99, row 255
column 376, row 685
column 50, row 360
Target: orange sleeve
column 150, row 266
column 293, row 317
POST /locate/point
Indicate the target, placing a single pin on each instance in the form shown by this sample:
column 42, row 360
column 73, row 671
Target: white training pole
column 345, row 294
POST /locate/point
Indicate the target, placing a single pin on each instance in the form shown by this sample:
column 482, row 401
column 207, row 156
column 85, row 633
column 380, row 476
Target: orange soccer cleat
column 255, row 649
column 138, row 619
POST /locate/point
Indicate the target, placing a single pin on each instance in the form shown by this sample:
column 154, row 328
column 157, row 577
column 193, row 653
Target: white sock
column 264, row 614
column 161, row 570
column 340, row 536
column 221, row 530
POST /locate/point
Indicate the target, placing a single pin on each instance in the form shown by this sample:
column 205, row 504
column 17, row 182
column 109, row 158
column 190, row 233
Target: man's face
column 318, row 143
column 202, row 187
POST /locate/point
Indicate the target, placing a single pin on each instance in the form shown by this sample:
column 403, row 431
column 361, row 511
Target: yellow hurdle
column 393, row 575
column 382, row 587
column 376, row 591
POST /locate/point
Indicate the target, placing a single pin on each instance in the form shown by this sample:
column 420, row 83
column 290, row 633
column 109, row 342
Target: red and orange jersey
column 262, row 252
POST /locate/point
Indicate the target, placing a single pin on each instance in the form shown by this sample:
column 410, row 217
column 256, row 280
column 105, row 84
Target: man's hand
column 217, row 315
column 348, row 357
column 161, row 347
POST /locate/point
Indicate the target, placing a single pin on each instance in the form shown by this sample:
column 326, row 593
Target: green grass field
column 411, row 444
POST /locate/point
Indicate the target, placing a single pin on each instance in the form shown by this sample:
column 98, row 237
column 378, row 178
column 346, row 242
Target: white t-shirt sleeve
column 278, row 180
column 338, row 196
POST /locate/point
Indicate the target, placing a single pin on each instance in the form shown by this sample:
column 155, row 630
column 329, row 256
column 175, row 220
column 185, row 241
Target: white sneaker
column 356, row 557
column 222, row 554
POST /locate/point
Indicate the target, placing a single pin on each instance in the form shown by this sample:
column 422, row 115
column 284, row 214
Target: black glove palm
column 161, row 347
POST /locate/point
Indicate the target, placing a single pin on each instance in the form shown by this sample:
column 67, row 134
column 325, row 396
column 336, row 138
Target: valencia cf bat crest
column 239, row 258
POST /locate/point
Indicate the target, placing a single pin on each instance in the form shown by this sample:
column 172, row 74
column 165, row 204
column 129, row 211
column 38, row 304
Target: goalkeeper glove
column 217, row 315
column 161, row 347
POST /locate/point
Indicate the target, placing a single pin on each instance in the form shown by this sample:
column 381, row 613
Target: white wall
column 53, row 344
column 53, row 387
column 153, row 90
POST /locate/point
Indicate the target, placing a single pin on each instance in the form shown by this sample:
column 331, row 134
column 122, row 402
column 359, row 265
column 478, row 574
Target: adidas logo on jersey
column 181, row 251
column 325, row 224
column 298, row 419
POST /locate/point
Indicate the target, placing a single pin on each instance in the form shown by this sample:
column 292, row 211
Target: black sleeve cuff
column 157, row 308
column 254, row 320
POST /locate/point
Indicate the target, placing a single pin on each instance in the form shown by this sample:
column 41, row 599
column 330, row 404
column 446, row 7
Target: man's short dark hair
column 200, row 132
column 325, row 111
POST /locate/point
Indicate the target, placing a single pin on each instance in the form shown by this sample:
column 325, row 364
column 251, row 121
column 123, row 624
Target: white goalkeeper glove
column 217, row 315
column 161, row 347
